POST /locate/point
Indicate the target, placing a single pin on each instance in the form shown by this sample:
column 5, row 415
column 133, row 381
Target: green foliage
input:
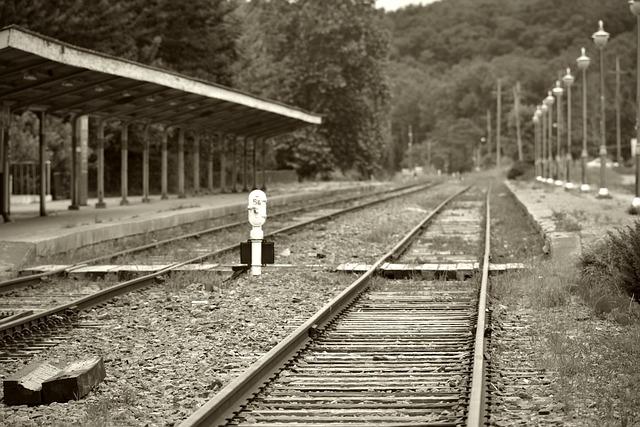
column 328, row 57
column 306, row 152
column 612, row 267
column 517, row 169
column 198, row 40
column 447, row 56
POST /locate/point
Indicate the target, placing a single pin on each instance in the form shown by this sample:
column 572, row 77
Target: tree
column 327, row 57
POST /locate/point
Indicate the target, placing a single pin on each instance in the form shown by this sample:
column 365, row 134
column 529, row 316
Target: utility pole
column 516, row 101
column 498, row 123
column 489, row 134
column 618, row 134
column 409, row 150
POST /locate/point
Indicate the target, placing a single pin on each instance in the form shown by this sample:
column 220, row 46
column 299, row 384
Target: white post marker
column 257, row 207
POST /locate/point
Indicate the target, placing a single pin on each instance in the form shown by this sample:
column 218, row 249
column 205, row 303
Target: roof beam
column 151, row 107
column 22, row 68
column 257, row 129
column 43, row 99
column 248, row 119
column 106, row 94
column 168, row 117
column 42, row 83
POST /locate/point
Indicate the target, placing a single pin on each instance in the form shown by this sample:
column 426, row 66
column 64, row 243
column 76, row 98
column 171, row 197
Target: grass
column 546, row 285
column 594, row 358
column 107, row 411
column 610, row 275
column 564, row 222
column 615, row 182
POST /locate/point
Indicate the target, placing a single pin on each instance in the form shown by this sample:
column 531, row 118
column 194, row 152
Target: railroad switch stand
column 256, row 252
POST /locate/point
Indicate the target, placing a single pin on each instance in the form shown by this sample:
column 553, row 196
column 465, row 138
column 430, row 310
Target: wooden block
column 25, row 386
column 74, row 381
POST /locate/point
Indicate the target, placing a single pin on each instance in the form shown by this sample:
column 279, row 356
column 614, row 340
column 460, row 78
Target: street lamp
column 548, row 101
column 536, row 143
column 568, row 80
column 635, row 203
column 483, row 141
column 583, row 62
column 545, row 172
column 600, row 38
column 558, row 92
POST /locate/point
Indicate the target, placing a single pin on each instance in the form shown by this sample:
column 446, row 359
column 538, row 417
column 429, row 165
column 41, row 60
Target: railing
column 25, row 178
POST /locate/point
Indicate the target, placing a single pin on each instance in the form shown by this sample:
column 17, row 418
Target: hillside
column 446, row 57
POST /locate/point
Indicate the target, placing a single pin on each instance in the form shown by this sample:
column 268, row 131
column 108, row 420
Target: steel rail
column 143, row 281
column 28, row 279
column 230, row 399
column 476, row 411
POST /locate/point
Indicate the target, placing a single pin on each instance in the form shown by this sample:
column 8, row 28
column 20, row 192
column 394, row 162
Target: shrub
column 613, row 264
column 518, row 169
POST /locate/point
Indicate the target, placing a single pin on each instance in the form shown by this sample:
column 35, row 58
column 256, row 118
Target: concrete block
column 25, row 386
column 75, row 381
column 565, row 246
column 16, row 254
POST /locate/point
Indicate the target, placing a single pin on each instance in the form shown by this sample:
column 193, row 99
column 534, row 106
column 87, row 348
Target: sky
column 395, row 4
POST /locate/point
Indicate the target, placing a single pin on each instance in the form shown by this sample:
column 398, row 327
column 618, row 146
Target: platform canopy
column 42, row 73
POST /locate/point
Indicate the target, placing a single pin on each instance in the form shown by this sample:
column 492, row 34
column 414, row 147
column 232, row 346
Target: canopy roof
column 39, row 72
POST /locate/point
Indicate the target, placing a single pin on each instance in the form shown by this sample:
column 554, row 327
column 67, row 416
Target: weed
column 610, row 273
column 565, row 222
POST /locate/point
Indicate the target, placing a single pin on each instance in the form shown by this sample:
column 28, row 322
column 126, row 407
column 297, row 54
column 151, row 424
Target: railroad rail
column 389, row 353
column 51, row 318
column 26, row 280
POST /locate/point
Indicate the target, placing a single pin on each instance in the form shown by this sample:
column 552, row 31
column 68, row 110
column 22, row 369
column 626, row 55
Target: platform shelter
column 48, row 76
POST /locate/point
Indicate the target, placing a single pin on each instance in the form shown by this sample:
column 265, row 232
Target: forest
column 374, row 76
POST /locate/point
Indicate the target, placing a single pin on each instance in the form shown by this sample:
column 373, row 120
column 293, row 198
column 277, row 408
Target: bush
column 518, row 169
column 610, row 272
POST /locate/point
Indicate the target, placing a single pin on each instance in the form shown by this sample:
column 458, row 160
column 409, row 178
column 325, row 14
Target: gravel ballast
column 169, row 349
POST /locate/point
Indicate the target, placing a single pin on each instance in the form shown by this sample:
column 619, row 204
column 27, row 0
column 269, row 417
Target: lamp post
column 558, row 92
column 545, row 166
column 568, row 80
column 635, row 203
column 600, row 38
column 583, row 62
column 536, row 143
column 483, row 141
column 549, row 100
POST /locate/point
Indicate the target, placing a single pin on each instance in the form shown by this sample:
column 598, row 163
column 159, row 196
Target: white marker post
column 257, row 207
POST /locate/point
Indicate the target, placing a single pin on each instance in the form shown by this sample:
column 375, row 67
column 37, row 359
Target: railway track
column 19, row 331
column 322, row 207
column 385, row 352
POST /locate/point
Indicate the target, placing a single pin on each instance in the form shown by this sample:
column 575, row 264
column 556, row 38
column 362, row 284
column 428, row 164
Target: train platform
column 29, row 235
column 571, row 221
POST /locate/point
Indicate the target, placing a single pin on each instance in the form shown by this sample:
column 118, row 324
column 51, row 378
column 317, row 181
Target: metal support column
column 196, row 163
column 100, row 178
column 254, row 184
column 264, row 164
column 42, row 160
column 75, row 149
column 124, row 166
column 5, row 200
column 145, row 164
column 234, row 165
column 498, row 123
column 223, row 163
column 164, row 167
column 181, row 194
column 210, row 164
column 244, row 165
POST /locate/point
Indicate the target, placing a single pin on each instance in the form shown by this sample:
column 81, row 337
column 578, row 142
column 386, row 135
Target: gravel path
column 169, row 350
